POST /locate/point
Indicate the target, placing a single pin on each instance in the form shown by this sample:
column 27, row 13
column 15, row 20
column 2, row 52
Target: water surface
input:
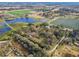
column 5, row 28
column 70, row 23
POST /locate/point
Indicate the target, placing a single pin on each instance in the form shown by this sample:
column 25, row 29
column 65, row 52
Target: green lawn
column 19, row 12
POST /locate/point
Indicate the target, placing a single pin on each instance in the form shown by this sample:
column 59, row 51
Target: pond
column 5, row 28
column 70, row 23
column 24, row 20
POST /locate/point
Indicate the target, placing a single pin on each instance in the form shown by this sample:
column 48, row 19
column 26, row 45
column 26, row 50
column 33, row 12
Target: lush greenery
column 39, row 39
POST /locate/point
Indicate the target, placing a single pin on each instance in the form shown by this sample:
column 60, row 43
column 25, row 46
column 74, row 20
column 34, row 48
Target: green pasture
column 19, row 12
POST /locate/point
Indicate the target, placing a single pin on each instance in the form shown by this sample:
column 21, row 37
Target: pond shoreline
column 66, row 22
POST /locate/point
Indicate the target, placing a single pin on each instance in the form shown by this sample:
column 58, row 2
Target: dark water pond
column 5, row 29
column 24, row 20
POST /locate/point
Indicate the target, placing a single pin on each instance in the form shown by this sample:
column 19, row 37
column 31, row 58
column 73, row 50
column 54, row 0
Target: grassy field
column 6, row 35
column 19, row 12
